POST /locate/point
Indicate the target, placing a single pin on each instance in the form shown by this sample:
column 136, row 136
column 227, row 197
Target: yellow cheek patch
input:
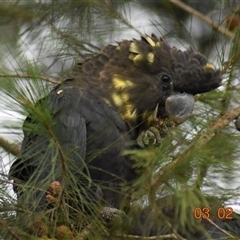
column 118, row 101
column 150, row 119
column 150, row 57
column 121, row 98
column 209, row 65
column 126, row 110
column 120, row 83
column 129, row 113
column 59, row 91
column 125, row 97
column 148, row 116
column 145, row 115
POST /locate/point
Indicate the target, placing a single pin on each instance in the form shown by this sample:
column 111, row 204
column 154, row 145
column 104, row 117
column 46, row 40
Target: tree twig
column 220, row 229
column 12, row 148
column 165, row 173
column 47, row 79
column 130, row 237
column 204, row 18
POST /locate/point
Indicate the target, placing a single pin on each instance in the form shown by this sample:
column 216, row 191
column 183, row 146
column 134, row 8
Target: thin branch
column 204, row 18
column 220, row 229
column 167, row 236
column 38, row 113
column 14, row 208
column 47, row 79
column 12, row 148
column 51, row 133
column 165, row 173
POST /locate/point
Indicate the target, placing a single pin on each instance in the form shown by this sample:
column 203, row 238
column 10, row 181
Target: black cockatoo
column 109, row 103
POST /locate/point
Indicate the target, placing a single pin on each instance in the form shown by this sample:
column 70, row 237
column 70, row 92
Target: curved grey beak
column 179, row 107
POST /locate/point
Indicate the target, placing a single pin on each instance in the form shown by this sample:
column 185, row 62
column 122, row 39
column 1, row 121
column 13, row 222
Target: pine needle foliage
column 193, row 167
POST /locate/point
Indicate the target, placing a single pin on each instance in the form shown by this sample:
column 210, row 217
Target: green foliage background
column 196, row 163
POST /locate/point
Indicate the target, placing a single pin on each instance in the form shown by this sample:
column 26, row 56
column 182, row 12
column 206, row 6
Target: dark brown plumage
column 135, row 67
column 102, row 108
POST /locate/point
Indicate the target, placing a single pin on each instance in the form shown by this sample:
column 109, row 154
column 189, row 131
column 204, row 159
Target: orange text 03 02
column 219, row 213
